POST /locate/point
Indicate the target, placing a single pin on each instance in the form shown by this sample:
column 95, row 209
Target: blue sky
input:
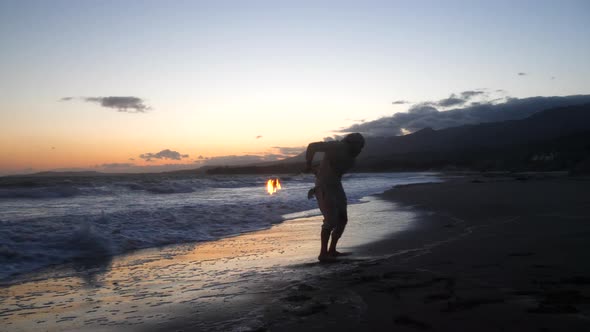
column 218, row 74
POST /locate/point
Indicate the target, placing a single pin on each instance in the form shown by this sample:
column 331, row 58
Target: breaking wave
column 51, row 221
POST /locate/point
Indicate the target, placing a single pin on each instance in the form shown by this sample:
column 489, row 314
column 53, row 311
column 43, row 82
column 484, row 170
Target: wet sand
column 219, row 285
column 490, row 254
column 484, row 254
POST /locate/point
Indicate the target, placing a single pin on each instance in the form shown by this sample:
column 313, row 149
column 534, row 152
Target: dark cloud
column 426, row 115
column 451, row 101
column 472, row 93
column 164, row 154
column 522, row 74
column 121, row 104
column 455, row 100
column 400, row 102
column 259, row 136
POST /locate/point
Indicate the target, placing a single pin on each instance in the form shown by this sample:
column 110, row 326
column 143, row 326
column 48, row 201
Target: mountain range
column 553, row 139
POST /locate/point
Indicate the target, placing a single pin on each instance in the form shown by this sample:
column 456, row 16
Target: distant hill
column 66, row 174
column 553, row 139
column 545, row 125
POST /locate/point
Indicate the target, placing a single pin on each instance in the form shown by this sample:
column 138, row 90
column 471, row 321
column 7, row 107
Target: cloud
column 127, row 104
column 458, row 99
column 400, row 102
column 424, row 115
column 472, row 93
column 453, row 100
column 522, row 74
column 334, row 138
column 289, row 151
column 259, row 136
column 164, row 154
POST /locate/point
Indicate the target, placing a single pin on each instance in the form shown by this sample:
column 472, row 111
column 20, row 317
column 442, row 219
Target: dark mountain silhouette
column 554, row 139
column 545, row 125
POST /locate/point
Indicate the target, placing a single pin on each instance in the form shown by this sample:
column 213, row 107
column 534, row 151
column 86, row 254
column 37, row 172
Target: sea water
column 52, row 220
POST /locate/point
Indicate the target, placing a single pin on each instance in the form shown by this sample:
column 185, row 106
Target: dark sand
column 484, row 254
column 490, row 254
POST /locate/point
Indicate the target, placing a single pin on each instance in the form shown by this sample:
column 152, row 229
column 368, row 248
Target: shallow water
column 48, row 221
column 205, row 286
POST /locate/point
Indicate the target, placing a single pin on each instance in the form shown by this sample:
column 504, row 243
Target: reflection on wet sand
column 206, row 284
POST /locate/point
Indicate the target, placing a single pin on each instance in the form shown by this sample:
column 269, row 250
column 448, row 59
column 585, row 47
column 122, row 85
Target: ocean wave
column 77, row 221
column 39, row 193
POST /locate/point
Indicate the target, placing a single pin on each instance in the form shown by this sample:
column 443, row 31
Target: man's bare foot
column 326, row 258
column 336, row 253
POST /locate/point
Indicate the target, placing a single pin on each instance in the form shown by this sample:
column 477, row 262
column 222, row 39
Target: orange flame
column 272, row 185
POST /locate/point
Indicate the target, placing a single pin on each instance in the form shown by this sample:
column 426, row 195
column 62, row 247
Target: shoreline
column 72, row 239
column 151, row 289
column 470, row 253
column 488, row 254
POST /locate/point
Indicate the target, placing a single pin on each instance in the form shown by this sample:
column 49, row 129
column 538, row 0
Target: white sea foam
column 53, row 221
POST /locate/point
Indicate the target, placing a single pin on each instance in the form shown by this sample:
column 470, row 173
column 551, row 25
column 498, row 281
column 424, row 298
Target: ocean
column 47, row 221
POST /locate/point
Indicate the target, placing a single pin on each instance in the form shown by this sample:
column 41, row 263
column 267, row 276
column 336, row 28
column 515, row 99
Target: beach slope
column 488, row 254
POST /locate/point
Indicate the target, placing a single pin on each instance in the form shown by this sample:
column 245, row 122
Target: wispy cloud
column 126, row 104
column 458, row 99
column 164, row 154
column 522, row 74
column 400, row 102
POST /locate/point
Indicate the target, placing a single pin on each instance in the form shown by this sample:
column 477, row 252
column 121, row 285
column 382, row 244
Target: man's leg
column 325, row 235
column 336, row 234
column 332, row 251
column 327, row 226
column 342, row 220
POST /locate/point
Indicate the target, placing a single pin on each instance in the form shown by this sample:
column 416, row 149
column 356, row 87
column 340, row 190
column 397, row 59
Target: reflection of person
column 338, row 158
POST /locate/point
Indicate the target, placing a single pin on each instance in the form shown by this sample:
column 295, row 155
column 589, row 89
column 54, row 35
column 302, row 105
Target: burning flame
column 272, row 185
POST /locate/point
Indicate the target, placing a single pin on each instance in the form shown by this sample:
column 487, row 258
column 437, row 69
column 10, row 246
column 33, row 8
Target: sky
column 157, row 85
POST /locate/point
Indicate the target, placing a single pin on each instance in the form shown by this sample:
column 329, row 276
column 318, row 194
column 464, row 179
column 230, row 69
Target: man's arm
column 312, row 148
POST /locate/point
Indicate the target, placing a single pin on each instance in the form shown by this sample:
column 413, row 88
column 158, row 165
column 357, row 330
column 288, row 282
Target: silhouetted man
column 338, row 158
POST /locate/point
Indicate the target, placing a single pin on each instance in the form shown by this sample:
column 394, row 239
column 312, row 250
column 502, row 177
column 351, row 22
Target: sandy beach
column 489, row 254
column 486, row 253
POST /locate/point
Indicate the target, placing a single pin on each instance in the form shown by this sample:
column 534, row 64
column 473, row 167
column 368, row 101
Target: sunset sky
column 130, row 85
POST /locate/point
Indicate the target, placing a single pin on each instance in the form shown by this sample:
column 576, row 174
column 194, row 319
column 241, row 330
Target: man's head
column 355, row 141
